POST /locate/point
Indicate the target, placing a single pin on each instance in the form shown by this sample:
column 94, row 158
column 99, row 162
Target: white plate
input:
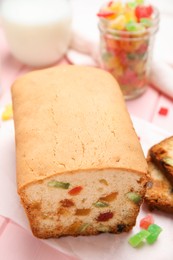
column 105, row 246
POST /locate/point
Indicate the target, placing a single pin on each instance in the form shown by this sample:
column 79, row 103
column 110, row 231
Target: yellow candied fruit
column 112, row 63
column 140, row 67
column 118, row 72
column 7, row 113
column 119, row 23
column 117, row 7
column 130, row 16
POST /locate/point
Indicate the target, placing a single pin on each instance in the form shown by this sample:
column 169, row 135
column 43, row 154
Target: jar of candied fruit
column 127, row 32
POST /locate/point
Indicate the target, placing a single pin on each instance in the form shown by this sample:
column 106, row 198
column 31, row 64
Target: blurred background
column 85, row 24
column 82, row 46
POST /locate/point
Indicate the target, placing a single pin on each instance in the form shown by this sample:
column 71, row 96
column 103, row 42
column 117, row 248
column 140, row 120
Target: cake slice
column 80, row 166
column 159, row 193
column 162, row 155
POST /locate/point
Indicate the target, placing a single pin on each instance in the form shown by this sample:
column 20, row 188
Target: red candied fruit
column 105, row 216
column 143, row 11
column 163, row 111
column 75, row 191
column 146, row 221
column 105, row 14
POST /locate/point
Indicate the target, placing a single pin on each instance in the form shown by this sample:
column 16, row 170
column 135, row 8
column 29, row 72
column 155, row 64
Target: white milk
column 38, row 31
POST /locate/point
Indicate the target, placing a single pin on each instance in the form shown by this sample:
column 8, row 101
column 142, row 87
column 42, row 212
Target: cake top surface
column 72, row 118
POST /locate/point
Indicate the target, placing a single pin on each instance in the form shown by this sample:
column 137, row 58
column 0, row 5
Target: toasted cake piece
column 159, row 194
column 80, row 166
column 162, row 155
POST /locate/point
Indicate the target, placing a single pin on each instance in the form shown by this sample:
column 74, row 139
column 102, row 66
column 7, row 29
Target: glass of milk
column 38, row 32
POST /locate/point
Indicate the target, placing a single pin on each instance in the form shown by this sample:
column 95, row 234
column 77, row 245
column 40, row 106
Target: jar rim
column 133, row 35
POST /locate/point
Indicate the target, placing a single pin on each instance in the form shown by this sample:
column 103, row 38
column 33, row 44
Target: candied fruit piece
column 67, row 203
column 146, row 22
column 103, row 181
column 105, row 216
column 106, row 14
column 133, row 196
column 74, row 227
column 82, row 212
column 138, row 238
column 119, row 23
column 146, row 221
column 83, row 227
column 58, row 184
column 75, row 191
column 163, row 111
column 140, row 2
column 63, row 211
column 110, row 197
column 143, row 11
column 7, row 113
column 154, row 231
column 100, row 204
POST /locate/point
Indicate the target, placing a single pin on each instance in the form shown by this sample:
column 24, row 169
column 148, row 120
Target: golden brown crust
column 159, row 193
column 74, row 114
column 161, row 154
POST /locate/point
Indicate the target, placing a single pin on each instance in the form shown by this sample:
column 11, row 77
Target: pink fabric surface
column 17, row 244
column 3, row 223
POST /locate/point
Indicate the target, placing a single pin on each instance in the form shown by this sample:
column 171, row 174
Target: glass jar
column 127, row 55
column 38, row 32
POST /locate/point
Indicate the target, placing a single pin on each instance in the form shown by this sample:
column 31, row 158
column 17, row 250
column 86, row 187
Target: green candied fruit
column 168, row 161
column 146, row 22
column 132, row 4
column 132, row 56
column 140, row 2
column 83, row 227
column 101, row 204
column 131, row 26
column 133, row 196
column 58, row 184
column 154, row 231
column 137, row 239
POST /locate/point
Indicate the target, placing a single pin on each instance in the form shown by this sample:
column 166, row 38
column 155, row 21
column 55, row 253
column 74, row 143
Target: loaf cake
column 162, row 155
column 159, row 194
column 80, row 166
